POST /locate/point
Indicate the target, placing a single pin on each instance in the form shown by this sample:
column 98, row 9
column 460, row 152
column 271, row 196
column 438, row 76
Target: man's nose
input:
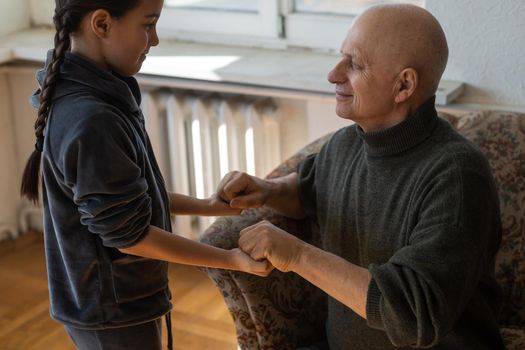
column 336, row 75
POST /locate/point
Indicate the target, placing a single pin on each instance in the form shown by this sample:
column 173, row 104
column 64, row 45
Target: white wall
column 22, row 84
column 8, row 173
column 41, row 11
column 14, row 15
column 16, row 137
column 304, row 121
column 487, row 48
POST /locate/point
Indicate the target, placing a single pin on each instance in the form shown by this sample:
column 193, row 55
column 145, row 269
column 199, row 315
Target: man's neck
column 399, row 113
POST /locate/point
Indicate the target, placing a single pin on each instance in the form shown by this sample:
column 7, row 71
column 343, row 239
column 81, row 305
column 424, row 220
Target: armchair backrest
column 501, row 137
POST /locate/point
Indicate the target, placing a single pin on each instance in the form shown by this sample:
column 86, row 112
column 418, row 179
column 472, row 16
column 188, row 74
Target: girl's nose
column 154, row 38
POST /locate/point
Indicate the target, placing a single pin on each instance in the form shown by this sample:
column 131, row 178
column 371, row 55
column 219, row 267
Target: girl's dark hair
column 67, row 18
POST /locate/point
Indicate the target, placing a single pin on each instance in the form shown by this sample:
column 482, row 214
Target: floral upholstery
column 283, row 311
column 501, row 137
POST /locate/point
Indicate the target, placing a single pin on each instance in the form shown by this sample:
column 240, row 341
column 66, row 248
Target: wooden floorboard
column 200, row 319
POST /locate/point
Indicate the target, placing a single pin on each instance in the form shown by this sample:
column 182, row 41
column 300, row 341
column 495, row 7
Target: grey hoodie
column 102, row 188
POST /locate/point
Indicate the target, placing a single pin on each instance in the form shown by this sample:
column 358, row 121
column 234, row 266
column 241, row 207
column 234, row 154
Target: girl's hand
column 218, row 207
column 242, row 262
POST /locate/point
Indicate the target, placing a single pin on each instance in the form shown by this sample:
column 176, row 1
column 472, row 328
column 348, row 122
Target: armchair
column 283, row 311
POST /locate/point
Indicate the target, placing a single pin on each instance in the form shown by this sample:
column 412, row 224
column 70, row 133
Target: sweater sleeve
column 307, row 188
column 100, row 165
column 422, row 291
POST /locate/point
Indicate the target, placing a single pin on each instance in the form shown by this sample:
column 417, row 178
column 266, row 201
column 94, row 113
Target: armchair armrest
column 281, row 311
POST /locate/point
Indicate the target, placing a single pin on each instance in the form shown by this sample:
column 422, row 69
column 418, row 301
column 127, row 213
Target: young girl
column 106, row 209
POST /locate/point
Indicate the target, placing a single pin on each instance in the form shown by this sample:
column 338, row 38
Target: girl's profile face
column 131, row 37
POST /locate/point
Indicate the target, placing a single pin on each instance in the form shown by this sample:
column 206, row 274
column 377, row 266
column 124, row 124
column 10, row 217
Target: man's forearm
column 284, row 196
column 342, row 280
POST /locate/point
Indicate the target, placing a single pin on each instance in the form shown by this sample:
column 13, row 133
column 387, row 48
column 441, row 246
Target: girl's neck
column 90, row 52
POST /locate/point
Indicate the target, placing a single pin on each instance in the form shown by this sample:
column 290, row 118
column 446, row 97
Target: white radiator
column 198, row 138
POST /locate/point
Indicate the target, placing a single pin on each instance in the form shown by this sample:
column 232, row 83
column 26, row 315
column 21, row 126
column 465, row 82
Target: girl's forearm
column 162, row 245
column 186, row 205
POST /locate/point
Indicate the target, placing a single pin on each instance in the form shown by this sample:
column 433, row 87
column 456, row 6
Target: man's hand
column 266, row 241
column 218, row 207
column 339, row 278
column 245, row 263
column 243, row 191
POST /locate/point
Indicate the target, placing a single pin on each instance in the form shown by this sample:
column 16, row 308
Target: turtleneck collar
column 403, row 136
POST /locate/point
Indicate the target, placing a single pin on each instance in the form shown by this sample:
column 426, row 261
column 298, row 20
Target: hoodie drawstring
column 168, row 327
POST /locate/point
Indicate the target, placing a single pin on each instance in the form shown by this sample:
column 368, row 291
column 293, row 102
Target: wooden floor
column 200, row 319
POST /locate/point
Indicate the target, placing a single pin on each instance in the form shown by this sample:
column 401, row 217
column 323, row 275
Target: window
column 323, row 24
column 319, row 24
column 342, row 7
column 221, row 5
column 252, row 18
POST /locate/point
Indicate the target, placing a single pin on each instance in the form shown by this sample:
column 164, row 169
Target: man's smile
column 340, row 95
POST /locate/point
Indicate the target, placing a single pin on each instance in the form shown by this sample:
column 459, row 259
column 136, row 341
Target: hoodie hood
column 78, row 75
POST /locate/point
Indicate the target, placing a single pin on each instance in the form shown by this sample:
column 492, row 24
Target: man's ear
column 407, row 82
column 101, row 22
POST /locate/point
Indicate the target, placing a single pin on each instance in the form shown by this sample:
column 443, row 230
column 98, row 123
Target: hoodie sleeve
column 100, row 164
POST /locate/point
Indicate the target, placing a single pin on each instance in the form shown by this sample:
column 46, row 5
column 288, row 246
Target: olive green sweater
column 415, row 204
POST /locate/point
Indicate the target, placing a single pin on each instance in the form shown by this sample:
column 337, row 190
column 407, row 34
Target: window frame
column 276, row 26
column 180, row 22
column 302, row 30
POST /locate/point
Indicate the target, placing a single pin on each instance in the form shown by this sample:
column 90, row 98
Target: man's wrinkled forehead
column 369, row 35
column 355, row 44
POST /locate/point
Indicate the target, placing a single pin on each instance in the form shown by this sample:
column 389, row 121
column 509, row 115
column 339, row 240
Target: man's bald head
column 405, row 36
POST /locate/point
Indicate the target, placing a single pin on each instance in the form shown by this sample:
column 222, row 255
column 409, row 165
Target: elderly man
column 406, row 207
